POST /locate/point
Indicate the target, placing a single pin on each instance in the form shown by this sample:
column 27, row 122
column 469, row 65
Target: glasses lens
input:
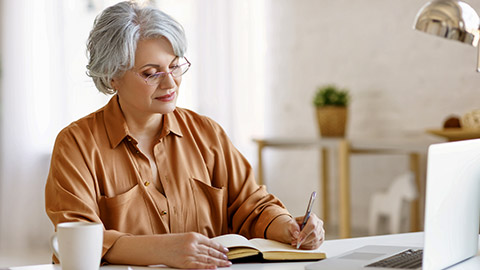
column 155, row 79
column 180, row 70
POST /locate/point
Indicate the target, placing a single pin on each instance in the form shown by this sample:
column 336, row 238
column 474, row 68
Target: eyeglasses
column 176, row 72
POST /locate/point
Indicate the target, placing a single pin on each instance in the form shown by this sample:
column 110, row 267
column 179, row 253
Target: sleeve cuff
column 266, row 228
column 267, row 217
column 109, row 239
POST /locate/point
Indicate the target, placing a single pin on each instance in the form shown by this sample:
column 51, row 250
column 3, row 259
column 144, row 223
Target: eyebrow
column 157, row 66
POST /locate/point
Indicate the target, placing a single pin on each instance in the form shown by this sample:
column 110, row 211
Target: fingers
column 312, row 235
column 206, row 261
column 212, row 244
column 313, row 241
column 213, row 253
column 294, row 230
column 299, row 220
column 204, row 253
column 203, row 265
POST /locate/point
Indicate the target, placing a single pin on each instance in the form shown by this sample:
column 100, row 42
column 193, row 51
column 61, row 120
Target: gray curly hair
column 113, row 40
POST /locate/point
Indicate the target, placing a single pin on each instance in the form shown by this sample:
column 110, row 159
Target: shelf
column 456, row 134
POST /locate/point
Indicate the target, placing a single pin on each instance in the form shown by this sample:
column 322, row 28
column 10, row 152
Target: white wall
column 401, row 81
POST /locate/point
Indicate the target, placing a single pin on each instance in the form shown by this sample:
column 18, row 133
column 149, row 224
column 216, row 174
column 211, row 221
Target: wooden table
column 345, row 148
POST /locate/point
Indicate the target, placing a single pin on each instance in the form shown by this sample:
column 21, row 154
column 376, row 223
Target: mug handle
column 54, row 245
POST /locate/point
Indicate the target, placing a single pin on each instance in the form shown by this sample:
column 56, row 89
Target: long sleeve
column 71, row 192
column 250, row 207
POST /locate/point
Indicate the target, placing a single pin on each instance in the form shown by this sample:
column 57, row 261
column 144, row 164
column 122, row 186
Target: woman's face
column 135, row 95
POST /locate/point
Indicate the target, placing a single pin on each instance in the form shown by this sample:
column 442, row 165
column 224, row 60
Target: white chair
column 390, row 203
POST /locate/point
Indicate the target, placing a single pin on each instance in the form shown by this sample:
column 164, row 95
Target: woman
column 161, row 179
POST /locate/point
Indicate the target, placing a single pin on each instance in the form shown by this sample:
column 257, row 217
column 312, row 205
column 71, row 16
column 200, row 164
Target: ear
column 114, row 83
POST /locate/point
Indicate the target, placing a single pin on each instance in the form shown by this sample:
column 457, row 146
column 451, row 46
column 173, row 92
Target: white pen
column 307, row 213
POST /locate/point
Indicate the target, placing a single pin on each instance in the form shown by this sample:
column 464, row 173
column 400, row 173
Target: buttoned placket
column 159, row 153
column 177, row 187
column 144, row 172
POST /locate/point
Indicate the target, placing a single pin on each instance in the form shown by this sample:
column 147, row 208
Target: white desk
column 331, row 247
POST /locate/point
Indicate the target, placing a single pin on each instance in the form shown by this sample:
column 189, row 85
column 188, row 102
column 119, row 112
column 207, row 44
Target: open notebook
column 264, row 249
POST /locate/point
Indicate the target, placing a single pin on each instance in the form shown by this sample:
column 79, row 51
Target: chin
column 166, row 109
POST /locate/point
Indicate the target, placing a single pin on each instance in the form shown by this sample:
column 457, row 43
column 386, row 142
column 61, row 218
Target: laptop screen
column 452, row 203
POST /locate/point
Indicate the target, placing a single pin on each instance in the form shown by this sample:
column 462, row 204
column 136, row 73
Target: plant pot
column 332, row 121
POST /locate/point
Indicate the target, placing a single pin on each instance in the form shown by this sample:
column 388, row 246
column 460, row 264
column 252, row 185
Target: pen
column 307, row 213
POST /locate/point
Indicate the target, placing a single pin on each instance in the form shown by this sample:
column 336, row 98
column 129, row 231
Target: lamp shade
column 450, row 19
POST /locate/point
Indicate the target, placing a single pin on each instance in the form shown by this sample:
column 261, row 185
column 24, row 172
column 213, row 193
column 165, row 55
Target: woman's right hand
column 194, row 250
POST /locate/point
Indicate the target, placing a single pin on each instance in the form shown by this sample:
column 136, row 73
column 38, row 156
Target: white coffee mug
column 78, row 245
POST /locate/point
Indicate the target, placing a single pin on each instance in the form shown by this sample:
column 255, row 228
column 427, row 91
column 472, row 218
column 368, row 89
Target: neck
column 141, row 124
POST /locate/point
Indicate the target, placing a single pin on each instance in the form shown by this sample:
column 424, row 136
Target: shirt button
column 129, row 139
column 164, row 212
column 147, row 183
column 138, row 152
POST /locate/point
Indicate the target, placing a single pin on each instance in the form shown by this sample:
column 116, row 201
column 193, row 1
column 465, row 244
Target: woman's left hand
column 312, row 235
column 287, row 230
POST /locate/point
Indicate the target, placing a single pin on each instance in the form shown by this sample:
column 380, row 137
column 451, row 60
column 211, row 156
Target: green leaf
column 330, row 95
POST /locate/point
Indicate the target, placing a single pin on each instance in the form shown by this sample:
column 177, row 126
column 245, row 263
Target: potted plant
column 331, row 103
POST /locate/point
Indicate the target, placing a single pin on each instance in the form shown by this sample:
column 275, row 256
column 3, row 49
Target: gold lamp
column 451, row 19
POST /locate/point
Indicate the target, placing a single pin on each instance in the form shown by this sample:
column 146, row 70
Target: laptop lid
column 452, row 203
column 451, row 216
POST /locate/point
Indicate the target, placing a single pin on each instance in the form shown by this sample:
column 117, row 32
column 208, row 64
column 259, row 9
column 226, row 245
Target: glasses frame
column 164, row 74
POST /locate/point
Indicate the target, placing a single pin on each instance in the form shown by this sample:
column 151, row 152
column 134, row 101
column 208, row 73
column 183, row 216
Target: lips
column 167, row 98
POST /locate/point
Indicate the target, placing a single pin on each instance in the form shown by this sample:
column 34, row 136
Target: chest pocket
column 123, row 212
column 210, row 207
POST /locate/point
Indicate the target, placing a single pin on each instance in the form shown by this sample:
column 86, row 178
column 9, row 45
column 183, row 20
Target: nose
column 167, row 82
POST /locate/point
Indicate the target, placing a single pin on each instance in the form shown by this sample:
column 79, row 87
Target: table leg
column 324, row 183
column 415, row 207
column 261, row 145
column 344, row 188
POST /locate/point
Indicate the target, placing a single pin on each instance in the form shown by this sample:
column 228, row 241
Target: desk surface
column 331, row 247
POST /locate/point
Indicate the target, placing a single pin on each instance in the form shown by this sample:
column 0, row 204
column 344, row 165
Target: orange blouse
column 98, row 174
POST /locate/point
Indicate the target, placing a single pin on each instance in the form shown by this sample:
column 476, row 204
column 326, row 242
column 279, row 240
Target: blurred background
column 256, row 65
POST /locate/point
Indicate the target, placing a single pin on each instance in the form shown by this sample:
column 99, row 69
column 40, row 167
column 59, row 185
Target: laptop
column 451, row 217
